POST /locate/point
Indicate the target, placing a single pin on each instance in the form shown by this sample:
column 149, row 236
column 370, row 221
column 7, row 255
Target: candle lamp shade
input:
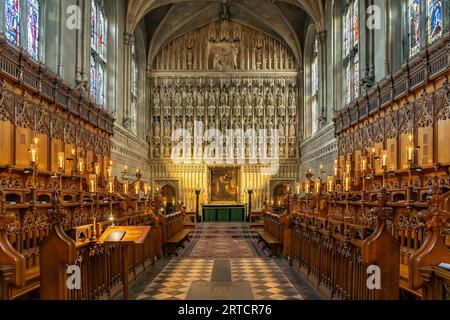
column 92, row 183
column 34, row 151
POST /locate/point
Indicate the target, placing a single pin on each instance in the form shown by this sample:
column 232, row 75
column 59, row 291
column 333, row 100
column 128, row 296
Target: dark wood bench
column 177, row 241
column 270, row 242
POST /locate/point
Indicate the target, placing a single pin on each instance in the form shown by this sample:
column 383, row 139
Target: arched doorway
column 279, row 193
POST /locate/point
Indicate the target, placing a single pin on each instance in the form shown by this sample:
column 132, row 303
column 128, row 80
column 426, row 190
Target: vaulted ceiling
column 165, row 20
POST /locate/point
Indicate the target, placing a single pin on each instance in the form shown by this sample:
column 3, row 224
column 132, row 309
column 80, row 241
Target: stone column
column 128, row 44
column 322, row 37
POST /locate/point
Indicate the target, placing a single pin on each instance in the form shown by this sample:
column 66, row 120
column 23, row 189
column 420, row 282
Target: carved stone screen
column 231, row 79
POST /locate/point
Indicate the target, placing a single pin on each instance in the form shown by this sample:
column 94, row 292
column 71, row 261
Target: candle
column 410, row 153
column 92, row 186
column 384, row 159
column 125, row 187
column 307, row 186
column 81, row 166
column 363, row 165
column 61, row 161
column 97, row 168
column 347, row 184
column 335, row 168
column 33, row 155
column 111, row 190
column 146, row 189
column 348, row 167
column 317, row 186
column 298, row 188
column 330, row 185
column 136, row 188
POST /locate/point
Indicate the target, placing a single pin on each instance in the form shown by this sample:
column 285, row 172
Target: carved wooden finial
column 382, row 211
column 434, row 218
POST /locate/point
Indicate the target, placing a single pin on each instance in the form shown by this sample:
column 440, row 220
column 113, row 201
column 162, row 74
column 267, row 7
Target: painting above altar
column 224, row 184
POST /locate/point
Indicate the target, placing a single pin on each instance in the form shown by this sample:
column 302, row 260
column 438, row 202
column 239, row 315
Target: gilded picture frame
column 224, row 185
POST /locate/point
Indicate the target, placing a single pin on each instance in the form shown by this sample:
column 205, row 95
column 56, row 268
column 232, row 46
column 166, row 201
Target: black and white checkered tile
column 267, row 280
column 175, row 279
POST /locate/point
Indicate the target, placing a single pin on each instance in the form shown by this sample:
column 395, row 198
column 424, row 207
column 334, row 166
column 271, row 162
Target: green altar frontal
column 224, row 213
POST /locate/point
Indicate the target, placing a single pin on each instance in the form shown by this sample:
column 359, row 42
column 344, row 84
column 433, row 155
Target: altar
column 223, row 213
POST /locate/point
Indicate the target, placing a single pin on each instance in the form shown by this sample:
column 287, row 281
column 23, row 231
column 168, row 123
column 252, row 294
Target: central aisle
column 223, row 262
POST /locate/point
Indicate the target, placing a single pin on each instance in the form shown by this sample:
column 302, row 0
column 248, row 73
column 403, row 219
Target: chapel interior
column 224, row 149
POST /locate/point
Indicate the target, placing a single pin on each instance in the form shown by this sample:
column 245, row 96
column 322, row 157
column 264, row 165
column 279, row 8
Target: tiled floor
column 223, row 262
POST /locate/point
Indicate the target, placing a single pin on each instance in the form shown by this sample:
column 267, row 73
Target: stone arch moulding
column 137, row 9
column 173, row 183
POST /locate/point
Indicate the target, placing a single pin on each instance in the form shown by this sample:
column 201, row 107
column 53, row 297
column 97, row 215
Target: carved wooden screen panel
column 424, row 125
column 43, row 153
column 23, row 141
column 6, row 139
column 443, row 125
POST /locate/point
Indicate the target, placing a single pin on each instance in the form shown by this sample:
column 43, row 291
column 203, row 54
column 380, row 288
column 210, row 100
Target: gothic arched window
column 12, row 21
column 33, row 28
column 134, row 75
column 434, row 17
column 98, row 52
column 351, row 51
column 424, row 23
column 414, row 34
column 315, row 89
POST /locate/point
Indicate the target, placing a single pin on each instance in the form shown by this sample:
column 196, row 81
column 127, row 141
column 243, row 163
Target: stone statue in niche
column 224, row 98
column 167, row 98
column 291, row 99
column 259, row 98
column 247, row 97
column 200, row 98
column 270, row 98
column 237, row 99
column 156, row 127
column 156, row 98
column 178, row 98
column 167, row 128
column 211, row 98
column 235, row 54
column 189, row 98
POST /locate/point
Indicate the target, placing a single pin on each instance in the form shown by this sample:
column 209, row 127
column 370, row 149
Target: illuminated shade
column 12, row 21
column 33, row 28
column 414, row 26
column 434, row 18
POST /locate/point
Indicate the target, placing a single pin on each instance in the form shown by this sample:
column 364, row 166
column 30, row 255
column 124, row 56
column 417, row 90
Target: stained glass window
column 93, row 24
column 93, row 72
column 414, row 26
column 33, row 28
column 434, row 17
column 351, row 51
column 98, row 52
column 12, row 21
